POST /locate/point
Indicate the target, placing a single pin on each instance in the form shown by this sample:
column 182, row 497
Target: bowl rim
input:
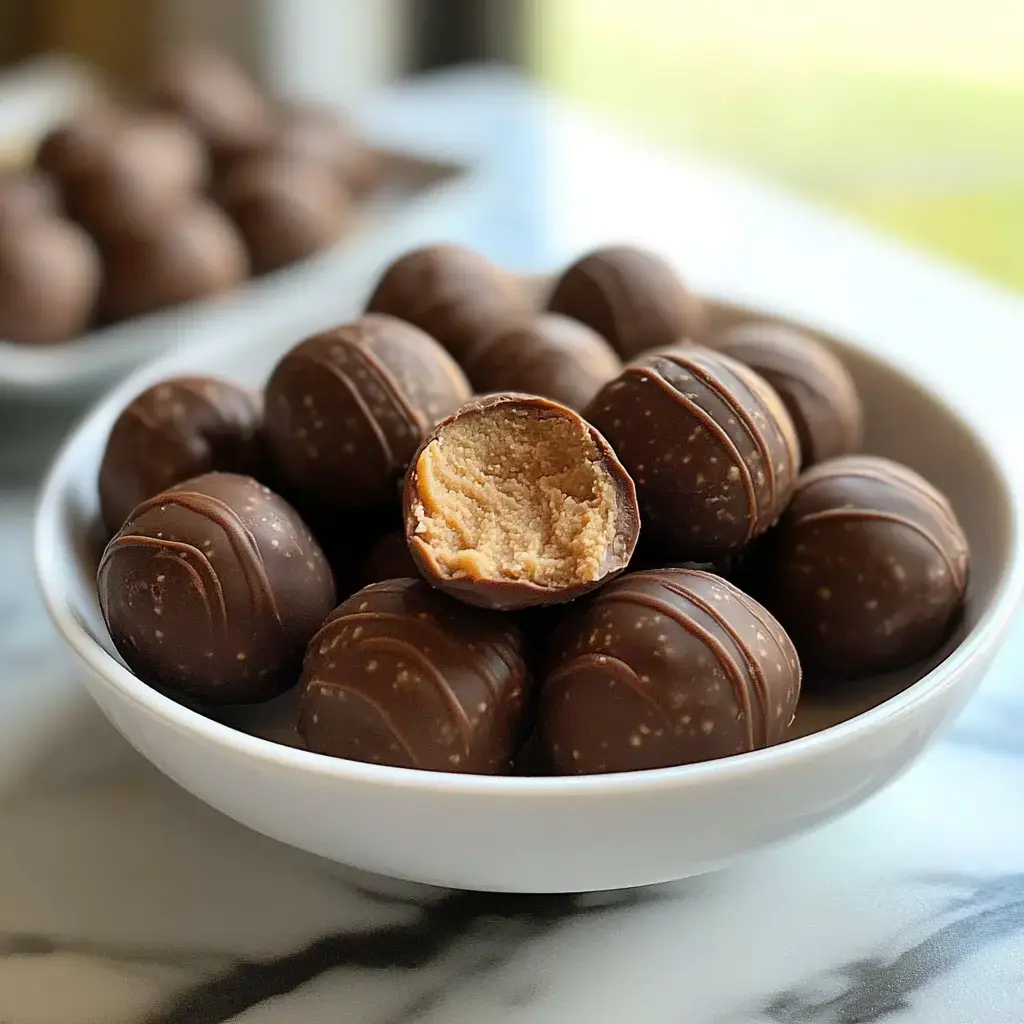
column 52, row 576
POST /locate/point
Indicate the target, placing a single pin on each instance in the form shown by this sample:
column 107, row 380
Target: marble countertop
column 122, row 899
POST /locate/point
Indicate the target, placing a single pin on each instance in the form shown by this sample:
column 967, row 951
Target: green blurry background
column 906, row 113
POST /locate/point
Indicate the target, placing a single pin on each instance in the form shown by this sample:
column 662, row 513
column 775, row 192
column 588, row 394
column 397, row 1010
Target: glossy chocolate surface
column 404, row 676
column 666, row 667
column 632, row 297
column 709, row 445
column 867, row 568
column 347, row 409
column 173, row 431
column 211, row 590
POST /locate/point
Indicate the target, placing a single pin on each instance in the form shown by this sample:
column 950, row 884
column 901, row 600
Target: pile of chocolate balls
column 184, row 193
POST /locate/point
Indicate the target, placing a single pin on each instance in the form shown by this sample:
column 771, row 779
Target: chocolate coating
column 285, row 208
column 535, row 462
column 347, row 408
column 401, row 675
column 197, row 253
column 389, row 559
column 633, row 298
column 49, row 280
column 214, row 96
column 73, row 147
column 815, row 387
column 666, row 667
column 26, row 195
column 212, row 589
column 551, row 355
column 867, row 568
column 152, row 165
column 175, row 430
column 709, row 445
column 454, row 294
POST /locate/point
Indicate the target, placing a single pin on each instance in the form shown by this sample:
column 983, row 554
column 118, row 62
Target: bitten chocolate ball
column 814, row 386
column 516, row 501
column 198, row 253
column 214, row 95
column 633, row 298
column 26, row 195
column 49, row 281
column 347, row 408
column 867, row 568
column 402, row 675
column 152, row 165
column 389, row 559
column 666, row 667
column 175, row 430
column 285, row 208
column 454, row 294
column 551, row 356
column 211, row 590
column 709, row 445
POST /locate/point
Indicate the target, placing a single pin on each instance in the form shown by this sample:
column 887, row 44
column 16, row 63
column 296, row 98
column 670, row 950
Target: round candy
column 633, row 298
column 286, row 209
column 709, row 445
column 867, row 568
column 516, row 501
column 197, row 253
column 174, row 430
column 402, row 675
column 551, row 356
column 454, row 294
column 212, row 589
column 74, row 147
column 666, row 667
column 814, row 386
column 347, row 408
column 26, row 195
column 49, row 280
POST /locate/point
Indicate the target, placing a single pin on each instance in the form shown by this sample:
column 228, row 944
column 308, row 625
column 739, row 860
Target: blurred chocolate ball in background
column 26, row 194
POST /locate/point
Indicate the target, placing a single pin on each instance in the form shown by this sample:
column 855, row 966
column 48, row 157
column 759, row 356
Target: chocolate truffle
column 867, row 568
column 285, row 208
column 389, row 559
column 814, row 386
column 197, row 253
column 175, row 430
column 666, row 667
column 73, row 148
column 402, row 675
column 26, row 195
column 49, row 280
column 517, row 501
column 347, row 408
column 152, row 165
column 214, row 95
column 551, row 356
column 454, row 294
column 633, row 298
column 212, row 589
column 710, row 446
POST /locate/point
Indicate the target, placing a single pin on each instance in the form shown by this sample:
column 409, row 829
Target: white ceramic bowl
column 541, row 834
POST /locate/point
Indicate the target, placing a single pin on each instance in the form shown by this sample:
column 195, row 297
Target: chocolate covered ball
column 868, row 567
column 709, row 445
column 815, row 387
column 550, row 355
column 389, row 559
column 633, row 298
column 26, row 195
column 662, row 668
column 196, row 254
column 49, row 280
column 285, row 208
column 74, row 146
column 454, row 294
column 215, row 96
column 177, row 429
column 152, row 165
column 211, row 590
column 402, row 675
column 515, row 501
column 347, row 408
